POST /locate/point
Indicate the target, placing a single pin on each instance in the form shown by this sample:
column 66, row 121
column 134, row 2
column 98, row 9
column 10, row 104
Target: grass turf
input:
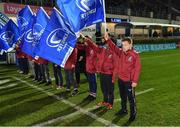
column 24, row 105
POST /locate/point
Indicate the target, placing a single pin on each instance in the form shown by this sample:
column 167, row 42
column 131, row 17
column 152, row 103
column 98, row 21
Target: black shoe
column 39, row 80
column 48, row 83
column 132, row 118
column 31, row 76
column 91, row 98
column 121, row 112
column 75, row 92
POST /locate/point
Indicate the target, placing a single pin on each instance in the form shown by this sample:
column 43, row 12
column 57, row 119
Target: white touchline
column 58, row 119
column 4, row 81
column 83, row 111
column 88, row 109
column 8, row 86
column 138, row 93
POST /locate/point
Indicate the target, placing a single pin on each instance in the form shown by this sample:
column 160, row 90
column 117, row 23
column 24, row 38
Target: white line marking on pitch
column 8, row 86
column 138, row 93
column 4, row 81
column 84, row 111
column 88, row 109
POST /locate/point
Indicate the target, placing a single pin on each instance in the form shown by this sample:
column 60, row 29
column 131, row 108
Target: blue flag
column 3, row 20
column 58, row 40
column 9, row 35
column 82, row 13
column 38, row 29
column 1, row 25
column 28, row 39
column 23, row 18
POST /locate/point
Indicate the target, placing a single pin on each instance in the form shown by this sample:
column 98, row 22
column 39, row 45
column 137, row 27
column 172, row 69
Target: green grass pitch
column 26, row 103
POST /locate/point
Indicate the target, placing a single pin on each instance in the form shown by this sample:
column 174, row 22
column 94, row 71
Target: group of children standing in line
column 107, row 60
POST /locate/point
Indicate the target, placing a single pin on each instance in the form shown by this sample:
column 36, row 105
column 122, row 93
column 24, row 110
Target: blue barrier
column 154, row 47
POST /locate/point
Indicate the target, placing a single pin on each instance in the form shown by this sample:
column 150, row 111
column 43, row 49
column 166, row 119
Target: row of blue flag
column 52, row 37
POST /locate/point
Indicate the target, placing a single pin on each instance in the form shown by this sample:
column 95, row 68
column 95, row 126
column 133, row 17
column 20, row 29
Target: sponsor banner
column 154, row 47
column 13, row 9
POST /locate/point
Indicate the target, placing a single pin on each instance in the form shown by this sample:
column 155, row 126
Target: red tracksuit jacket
column 91, row 58
column 71, row 60
column 41, row 61
column 30, row 58
column 129, row 66
column 106, row 59
column 19, row 53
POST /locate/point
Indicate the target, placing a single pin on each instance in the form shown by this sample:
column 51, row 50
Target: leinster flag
column 82, row 13
column 9, row 35
column 23, row 18
column 39, row 26
column 28, row 39
column 3, row 20
column 57, row 41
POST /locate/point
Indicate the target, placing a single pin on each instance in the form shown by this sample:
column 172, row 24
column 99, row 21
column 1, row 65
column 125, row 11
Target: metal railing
column 138, row 13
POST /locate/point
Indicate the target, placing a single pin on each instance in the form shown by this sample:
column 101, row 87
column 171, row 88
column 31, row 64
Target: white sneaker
column 59, row 87
column 68, row 90
column 21, row 72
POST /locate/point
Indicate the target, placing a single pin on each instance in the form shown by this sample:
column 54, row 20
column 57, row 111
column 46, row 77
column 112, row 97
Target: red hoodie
column 91, row 58
column 30, row 58
column 19, row 53
column 106, row 59
column 129, row 66
column 41, row 61
column 71, row 60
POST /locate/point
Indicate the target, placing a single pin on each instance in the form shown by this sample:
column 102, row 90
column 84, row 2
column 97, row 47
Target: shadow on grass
column 56, row 115
column 24, row 109
column 18, row 99
column 65, row 112
column 117, row 118
column 86, row 120
column 14, row 90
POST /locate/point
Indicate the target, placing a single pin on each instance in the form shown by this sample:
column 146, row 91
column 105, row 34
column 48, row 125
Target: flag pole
column 105, row 25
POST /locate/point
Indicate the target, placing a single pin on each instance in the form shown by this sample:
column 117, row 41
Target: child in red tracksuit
column 91, row 59
column 31, row 66
column 69, row 72
column 22, row 60
column 42, row 71
column 106, row 64
column 128, row 72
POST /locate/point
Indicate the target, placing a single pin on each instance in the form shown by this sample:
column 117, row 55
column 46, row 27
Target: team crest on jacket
column 110, row 56
column 130, row 59
column 91, row 52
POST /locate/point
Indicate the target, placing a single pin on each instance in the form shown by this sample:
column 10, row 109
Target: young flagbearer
column 22, row 59
column 58, row 76
column 91, row 59
column 69, row 72
column 42, row 70
column 128, row 72
column 106, row 62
